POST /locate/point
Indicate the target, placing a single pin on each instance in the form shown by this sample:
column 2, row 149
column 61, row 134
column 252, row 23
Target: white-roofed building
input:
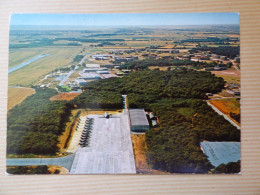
column 138, row 120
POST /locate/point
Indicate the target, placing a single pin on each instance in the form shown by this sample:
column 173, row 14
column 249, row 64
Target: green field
column 26, row 76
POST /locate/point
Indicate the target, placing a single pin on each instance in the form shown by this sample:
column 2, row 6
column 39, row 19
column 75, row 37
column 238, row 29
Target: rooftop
column 138, row 117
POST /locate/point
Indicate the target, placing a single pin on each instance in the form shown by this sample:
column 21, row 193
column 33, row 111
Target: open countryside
column 124, row 100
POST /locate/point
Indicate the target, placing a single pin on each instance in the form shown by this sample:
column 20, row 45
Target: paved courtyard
column 110, row 148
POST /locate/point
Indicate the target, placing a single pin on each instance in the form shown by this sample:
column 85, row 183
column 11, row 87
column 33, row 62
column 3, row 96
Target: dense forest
column 232, row 167
column 144, row 64
column 35, row 125
column 146, row 87
column 42, row 169
column 228, row 51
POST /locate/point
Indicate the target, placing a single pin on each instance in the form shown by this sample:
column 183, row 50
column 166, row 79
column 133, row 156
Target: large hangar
column 138, row 120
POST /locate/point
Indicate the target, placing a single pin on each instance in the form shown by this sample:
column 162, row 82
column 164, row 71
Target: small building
column 151, row 115
column 90, row 76
column 119, row 74
column 154, row 123
column 91, row 69
column 126, row 71
column 92, row 66
column 138, row 120
column 103, row 72
column 107, row 76
column 108, row 65
column 80, row 81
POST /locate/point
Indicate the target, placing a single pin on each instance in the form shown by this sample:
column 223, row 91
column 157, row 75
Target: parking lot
column 109, row 149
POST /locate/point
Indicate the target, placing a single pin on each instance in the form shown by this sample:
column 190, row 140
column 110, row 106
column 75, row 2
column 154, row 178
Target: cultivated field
column 64, row 96
column 26, row 76
column 230, row 76
column 227, row 105
column 17, row 95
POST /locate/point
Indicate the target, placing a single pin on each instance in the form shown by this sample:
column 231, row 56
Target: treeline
column 144, row 64
column 228, row 51
column 34, row 126
column 42, row 43
column 88, row 40
column 97, row 96
column 51, row 42
column 232, row 167
column 77, row 58
column 184, row 123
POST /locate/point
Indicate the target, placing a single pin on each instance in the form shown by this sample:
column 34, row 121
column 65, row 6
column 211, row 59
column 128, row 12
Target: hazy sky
column 125, row 19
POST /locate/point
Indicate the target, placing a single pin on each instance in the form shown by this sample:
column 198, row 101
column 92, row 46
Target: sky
column 125, row 19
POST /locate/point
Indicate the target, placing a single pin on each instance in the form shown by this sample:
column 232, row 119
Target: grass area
column 75, row 74
column 65, row 88
column 230, row 79
column 28, row 75
column 16, row 57
column 227, row 105
column 230, row 76
column 17, row 95
column 140, row 149
column 186, row 111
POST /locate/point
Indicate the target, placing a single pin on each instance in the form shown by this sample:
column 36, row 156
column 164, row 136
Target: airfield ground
column 110, row 148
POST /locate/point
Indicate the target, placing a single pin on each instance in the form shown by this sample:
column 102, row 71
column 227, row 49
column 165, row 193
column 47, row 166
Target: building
column 154, row 123
column 89, row 76
column 92, row 66
column 80, row 81
column 126, row 71
column 107, row 76
column 138, row 120
column 108, row 65
column 91, row 69
column 103, row 72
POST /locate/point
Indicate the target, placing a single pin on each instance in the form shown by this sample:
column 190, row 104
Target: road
column 66, row 78
column 225, row 116
column 61, row 161
column 85, row 57
column 234, row 64
column 72, row 71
